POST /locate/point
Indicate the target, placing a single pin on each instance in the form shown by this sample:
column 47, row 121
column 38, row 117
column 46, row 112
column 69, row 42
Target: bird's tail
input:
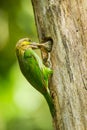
column 50, row 103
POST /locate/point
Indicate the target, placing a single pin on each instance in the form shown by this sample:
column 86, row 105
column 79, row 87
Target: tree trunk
column 65, row 22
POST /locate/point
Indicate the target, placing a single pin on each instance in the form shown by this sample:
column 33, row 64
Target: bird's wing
column 36, row 66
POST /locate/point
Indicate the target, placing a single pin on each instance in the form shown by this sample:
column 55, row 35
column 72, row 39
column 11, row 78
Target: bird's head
column 24, row 44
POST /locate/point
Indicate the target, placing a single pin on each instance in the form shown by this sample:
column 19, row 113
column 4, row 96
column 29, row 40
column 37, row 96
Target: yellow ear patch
column 26, row 42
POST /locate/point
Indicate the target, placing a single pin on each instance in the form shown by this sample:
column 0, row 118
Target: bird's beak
column 34, row 45
column 47, row 45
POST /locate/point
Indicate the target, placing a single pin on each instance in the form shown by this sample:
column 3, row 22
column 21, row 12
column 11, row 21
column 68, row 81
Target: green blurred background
column 21, row 106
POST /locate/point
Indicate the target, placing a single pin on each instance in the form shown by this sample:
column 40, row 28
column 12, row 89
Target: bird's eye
column 29, row 40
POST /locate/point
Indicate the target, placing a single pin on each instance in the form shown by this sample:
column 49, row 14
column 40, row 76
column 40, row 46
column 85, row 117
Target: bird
column 33, row 69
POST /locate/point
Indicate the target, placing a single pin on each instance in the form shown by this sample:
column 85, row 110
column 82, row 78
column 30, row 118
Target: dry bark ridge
column 65, row 21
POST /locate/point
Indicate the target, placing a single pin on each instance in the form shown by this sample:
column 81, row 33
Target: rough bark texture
column 65, row 21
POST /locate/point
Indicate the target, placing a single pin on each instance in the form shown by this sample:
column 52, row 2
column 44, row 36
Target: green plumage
column 34, row 70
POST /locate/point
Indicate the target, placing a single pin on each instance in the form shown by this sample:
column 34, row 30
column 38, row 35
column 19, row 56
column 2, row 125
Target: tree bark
column 65, row 22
